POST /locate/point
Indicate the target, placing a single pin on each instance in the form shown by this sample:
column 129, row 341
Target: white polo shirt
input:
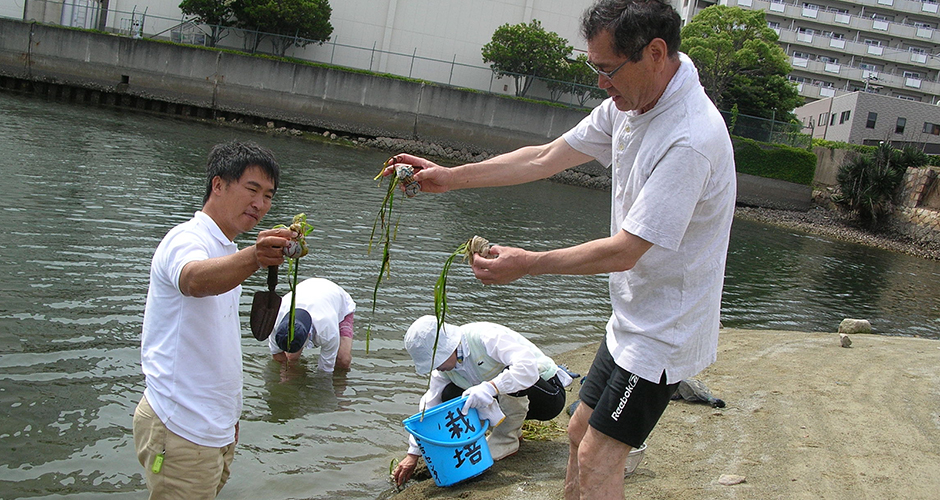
column 190, row 348
column 673, row 184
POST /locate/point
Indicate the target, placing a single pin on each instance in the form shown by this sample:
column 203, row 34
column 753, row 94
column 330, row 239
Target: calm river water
column 90, row 192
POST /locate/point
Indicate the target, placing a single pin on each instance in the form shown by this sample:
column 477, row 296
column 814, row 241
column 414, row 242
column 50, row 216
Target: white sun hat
column 419, row 342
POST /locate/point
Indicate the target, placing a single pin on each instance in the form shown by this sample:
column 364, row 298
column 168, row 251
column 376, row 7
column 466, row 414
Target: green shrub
column 870, row 183
column 774, row 161
column 909, row 156
column 843, row 145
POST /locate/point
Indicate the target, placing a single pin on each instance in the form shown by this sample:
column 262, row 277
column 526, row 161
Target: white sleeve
column 272, row 346
column 593, row 135
column 177, row 250
column 508, row 347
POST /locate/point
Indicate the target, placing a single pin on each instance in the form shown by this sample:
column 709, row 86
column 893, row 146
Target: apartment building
column 886, row 47
column 869, row 70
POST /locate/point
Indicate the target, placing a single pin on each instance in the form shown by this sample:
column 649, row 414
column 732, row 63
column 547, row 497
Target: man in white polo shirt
column 672, row 203
column 186, row 424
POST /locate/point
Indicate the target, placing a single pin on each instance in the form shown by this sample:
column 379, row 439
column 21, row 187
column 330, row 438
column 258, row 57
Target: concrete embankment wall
column 179, row 79
column 351, row 102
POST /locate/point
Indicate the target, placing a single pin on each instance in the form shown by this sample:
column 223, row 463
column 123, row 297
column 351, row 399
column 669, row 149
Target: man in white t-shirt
column 672, row 203
column 186, row 424
column 323, row 317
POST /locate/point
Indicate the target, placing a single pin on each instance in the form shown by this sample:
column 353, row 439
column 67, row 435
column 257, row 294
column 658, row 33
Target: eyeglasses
column 610, row 74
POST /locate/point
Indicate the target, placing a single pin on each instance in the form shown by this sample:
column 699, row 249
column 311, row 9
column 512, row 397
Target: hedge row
column 774, row 161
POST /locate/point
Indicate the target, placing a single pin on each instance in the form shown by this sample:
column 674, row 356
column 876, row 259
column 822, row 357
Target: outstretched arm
column 218, row 275
column 605, row 255
column 516, row 167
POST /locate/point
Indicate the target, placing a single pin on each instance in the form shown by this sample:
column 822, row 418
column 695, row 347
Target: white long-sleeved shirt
column 489, row 352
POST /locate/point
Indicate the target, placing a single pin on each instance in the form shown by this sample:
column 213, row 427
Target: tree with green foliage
column 213, row 13
column 526, row 52
column 576, row 78
column 739, row 62
column 870, row 183
column 296, row 22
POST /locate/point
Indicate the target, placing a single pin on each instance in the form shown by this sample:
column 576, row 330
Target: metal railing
column 767, row 130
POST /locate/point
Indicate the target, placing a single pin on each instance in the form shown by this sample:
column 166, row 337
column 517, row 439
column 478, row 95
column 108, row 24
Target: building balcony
column 843, row 47
column 874, row 27
column 857, row 77
column 904, row 6
column 815, row 92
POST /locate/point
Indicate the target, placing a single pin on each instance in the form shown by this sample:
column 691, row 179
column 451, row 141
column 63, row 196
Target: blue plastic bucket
column 453, row 444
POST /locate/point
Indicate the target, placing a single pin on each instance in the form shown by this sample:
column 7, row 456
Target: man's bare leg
column 601, row 459
column 576, row 428
column 595, row 460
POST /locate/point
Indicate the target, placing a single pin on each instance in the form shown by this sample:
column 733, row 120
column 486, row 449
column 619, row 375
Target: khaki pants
column 189, row 471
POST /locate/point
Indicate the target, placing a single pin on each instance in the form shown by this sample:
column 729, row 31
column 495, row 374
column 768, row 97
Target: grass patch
column 534, row 430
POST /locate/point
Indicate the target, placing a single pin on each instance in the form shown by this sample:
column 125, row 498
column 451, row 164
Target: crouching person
column 488, row 363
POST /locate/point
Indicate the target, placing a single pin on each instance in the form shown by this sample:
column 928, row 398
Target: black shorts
column 626, row 407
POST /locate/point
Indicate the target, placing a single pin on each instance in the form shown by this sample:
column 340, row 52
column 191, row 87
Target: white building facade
column 435, row 40
column 867, row 118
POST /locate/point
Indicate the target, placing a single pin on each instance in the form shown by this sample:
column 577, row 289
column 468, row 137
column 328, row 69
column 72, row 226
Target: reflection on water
column 779, row 279
column 90, row 193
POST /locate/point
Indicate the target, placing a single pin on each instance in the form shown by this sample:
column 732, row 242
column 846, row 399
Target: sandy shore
column 805, row 418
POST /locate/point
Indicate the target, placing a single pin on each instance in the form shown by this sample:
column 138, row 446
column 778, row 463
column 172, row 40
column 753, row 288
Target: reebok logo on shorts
column 631, row 383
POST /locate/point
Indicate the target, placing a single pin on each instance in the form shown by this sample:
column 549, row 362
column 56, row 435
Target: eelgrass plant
column 402, row 176
column 474, row 245
column 295, row 250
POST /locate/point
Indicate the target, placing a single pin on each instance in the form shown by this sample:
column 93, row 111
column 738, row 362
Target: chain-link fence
column 766, row 130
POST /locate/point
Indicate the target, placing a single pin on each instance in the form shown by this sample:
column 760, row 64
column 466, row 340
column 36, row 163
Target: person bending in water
column 323, row 317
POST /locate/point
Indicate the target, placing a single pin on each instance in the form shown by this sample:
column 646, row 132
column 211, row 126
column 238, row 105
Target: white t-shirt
column 327, row 304
column 673, row 184
column 190, row 348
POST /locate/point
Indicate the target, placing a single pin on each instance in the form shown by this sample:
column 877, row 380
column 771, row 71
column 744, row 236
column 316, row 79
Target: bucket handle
column 474, row 438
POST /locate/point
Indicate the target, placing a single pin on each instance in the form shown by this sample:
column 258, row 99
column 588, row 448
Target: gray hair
column 633, row 24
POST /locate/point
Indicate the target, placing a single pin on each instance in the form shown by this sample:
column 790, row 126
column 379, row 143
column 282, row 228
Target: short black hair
column 230, row 159
column 633, row 24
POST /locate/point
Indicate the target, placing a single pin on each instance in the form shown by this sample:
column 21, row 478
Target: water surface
column 90, row 192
